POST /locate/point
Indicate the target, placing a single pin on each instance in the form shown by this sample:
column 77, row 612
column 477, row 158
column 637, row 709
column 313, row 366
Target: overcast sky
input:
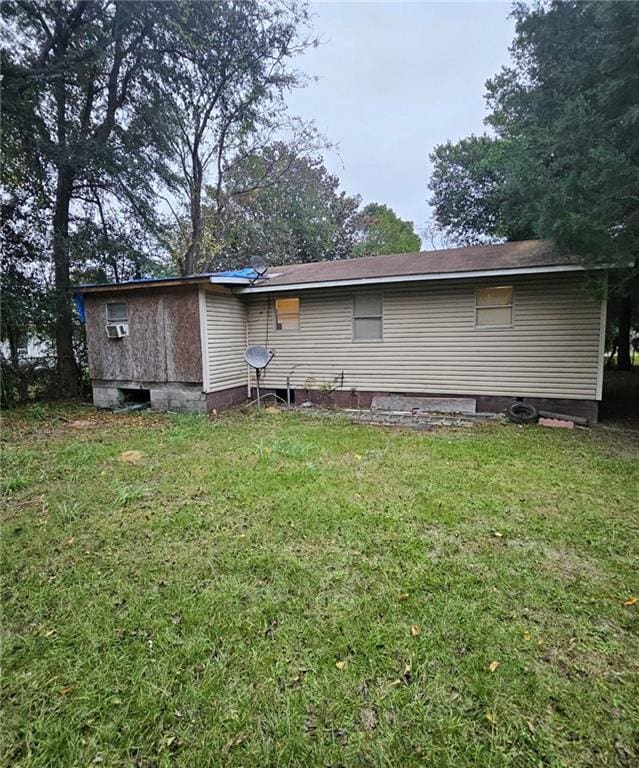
column 394, row 80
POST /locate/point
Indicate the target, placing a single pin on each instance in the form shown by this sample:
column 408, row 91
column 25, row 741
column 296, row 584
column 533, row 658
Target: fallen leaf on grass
column 341, row 664
column 631, row 600
column 173, row 742
column 404, row 596
column 131, row 457
column 66, row 689
column 235, row 741
column 493, row 666
column 491, row 717
column 414, row 630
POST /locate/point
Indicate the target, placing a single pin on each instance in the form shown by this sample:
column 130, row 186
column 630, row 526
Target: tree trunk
column 624, row 363
column 67, row 369
column 68, row 382
column 192, row 255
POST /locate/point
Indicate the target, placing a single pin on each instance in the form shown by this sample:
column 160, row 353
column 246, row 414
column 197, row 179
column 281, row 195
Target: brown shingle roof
column 517, row 255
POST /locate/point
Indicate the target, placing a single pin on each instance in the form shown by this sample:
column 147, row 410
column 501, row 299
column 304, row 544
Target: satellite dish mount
column 258, row 357
column 259, row 266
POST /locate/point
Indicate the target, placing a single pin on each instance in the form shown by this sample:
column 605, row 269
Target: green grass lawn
column 276, row 590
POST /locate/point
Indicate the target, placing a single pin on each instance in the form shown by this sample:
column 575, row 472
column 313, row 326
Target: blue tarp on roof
column 247, row 272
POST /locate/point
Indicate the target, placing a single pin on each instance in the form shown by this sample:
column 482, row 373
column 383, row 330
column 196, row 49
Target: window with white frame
column 117, row 312
column 494, row 306
column 367, row 317
column 287, row 314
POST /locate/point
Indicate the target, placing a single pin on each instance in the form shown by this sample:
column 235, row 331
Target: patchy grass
column 275, row 591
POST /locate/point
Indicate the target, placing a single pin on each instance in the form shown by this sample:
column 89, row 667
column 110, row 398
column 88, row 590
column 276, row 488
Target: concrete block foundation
column 189, row 398
column 169, row 396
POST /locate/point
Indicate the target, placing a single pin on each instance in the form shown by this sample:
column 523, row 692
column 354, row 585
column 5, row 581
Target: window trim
column 379, row 317
column 510, row 306
column 298, row 315
column 109, row 320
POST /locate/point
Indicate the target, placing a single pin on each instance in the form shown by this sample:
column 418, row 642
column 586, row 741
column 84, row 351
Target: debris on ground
column 422, row 420
column 557, row 423
column 132, row 407
column 581, row 421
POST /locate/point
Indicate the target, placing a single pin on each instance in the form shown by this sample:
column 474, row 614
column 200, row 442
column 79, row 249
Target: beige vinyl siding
column 225, row 341
column 431, row 343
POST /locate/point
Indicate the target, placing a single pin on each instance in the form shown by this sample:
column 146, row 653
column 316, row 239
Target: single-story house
column 498, row 323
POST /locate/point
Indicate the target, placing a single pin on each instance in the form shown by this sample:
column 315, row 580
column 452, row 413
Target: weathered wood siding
column 163, row 344
column 226, row 341
column 430, row 342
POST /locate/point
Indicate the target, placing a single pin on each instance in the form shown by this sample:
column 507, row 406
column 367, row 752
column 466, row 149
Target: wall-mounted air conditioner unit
column 117, row 330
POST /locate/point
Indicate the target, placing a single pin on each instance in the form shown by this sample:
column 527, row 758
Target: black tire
column 522, row 413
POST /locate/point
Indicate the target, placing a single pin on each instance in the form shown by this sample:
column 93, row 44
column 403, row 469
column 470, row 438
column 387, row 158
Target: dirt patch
column 568, row 565
column 577, row 663
column 17, row 427
column 132, row 457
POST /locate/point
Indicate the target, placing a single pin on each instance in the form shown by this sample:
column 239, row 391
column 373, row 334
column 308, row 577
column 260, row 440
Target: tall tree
column 283, row 207
column 474, row 197
column 77, row 101
column 380, row 231
column 565, row 161
column 225, row 96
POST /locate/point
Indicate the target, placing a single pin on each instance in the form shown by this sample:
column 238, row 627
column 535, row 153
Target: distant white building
column 29, row 349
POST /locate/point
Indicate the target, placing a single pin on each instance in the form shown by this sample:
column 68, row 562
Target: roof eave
column 163, row 282
column 300, row 286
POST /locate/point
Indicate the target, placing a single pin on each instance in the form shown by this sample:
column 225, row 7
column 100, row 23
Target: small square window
column 367, row 317
column 117, row 312
column 494, row 306
column 287, row 314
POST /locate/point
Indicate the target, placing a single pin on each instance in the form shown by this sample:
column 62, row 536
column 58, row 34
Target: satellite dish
column 259, row 265
column 258, row 357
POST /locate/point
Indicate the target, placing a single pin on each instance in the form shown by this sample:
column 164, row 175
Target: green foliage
column 564, row 163
column 381, row 231
column 83, row 127
column 285, row 207
column 184, row 611
column 569, row 108
column 473, row 194
column 224, row 93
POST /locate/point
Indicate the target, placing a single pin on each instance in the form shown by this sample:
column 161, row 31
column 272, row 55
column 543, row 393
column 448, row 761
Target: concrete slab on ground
column 425, row 404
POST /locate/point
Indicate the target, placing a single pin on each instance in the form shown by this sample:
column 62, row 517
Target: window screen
column 494, row 306
column 287, row 314
column 117, row 312
column 367, row 317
